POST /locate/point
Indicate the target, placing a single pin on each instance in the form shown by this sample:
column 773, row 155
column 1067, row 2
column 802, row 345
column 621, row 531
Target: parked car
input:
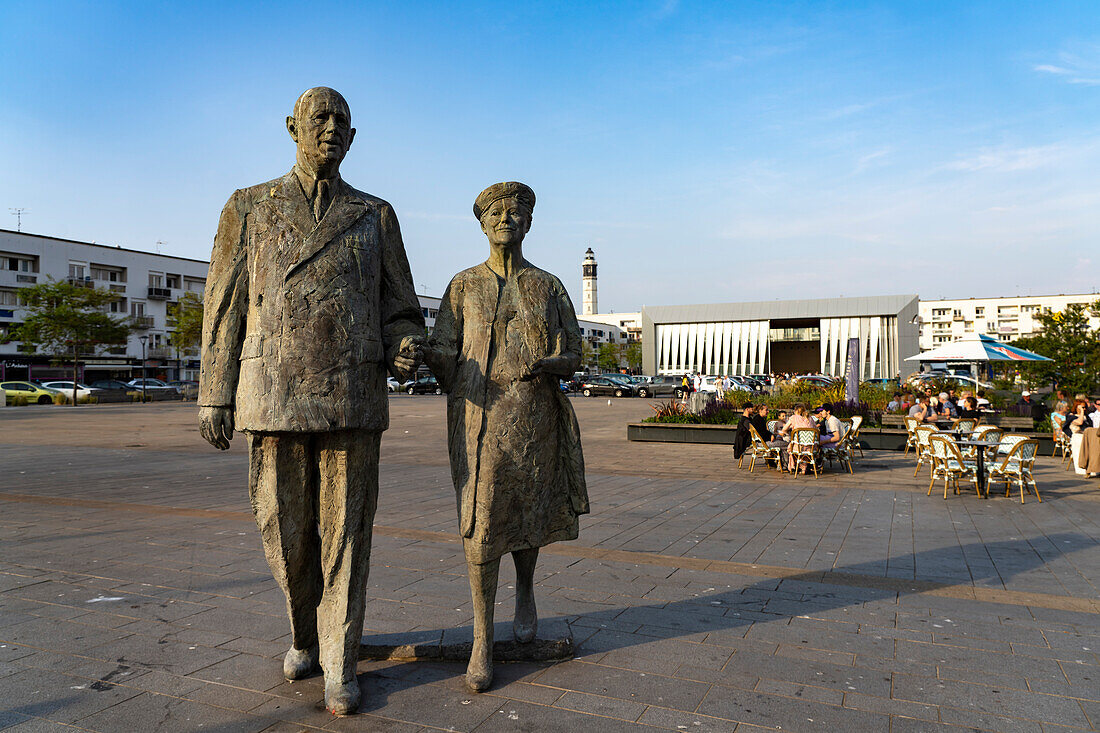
column 111, row 384
column 151, row 384
column 921, row 380
column 394, row 386
column 183, row 383
column 424, row 385
column 660, row 385
column 66, row 388
column 608, row 384
column 33, row 392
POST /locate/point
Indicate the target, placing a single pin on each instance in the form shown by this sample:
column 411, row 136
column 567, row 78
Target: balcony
column 159, row 352
column 80, row 282
column 141, row 323
column 159, row 293
column 115, row 288
column 29, row 279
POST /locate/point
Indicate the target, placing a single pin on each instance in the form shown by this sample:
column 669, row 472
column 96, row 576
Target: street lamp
column 143, row 339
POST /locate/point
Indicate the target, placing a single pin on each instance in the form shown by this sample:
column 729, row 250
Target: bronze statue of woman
column 505, row 333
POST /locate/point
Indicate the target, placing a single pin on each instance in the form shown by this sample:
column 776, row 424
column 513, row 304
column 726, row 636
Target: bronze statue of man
column 309, row 302
column 505, row 333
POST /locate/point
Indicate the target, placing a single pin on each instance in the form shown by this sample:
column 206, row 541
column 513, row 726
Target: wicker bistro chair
column 1017, row 466
column 804, row 447
column 911, row 439
column 773, row 426
column 991, row 433
column 762, row 451
column 1008, row 442
column 965, row 424
column 1062, row 442
column 950, row 465
column 842, row 450
column 924, row 449
column 853, row 445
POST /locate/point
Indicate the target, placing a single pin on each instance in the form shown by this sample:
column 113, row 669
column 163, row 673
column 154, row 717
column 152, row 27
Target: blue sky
column 711, row 151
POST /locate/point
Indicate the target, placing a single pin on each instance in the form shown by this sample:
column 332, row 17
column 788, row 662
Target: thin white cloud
column 1075, row 68
column 1006, row 159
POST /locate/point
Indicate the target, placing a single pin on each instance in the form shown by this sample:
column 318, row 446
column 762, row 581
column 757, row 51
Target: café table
column 981, row 445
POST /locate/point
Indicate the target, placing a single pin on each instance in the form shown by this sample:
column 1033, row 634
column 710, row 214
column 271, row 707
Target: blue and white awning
column 978, row 348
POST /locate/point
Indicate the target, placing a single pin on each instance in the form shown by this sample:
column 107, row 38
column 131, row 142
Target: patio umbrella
column 978, row 348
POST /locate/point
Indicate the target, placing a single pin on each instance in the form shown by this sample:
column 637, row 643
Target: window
column 108, row 275
column 9, row 297
column 76, row 272
column 117, row 306
column 172, row 281
column 979, row 312
column 137, row 309
column 195, row 286
column 156, row 280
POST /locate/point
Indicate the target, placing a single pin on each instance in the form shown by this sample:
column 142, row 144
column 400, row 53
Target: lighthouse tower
column 588, row 284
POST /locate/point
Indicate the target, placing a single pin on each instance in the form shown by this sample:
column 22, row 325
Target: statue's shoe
column 479, row 672
column 525, row 624
column 342, row 698
column 525, row 631
column 299, row 663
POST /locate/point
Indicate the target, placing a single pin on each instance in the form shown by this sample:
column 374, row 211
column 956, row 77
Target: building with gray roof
column 781, row 336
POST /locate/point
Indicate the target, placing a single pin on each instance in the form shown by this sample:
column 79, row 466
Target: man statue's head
column 321, row 126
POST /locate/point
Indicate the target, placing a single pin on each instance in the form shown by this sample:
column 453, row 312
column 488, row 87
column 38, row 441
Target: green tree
column 587, row 354
column 608, row 358
column 1074, row 347
column 186, row 315
column 634, row 356
column 68, row 320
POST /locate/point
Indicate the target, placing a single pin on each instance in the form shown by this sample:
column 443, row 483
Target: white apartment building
column 1007, row 319
column 630, row 324
column 146, row 283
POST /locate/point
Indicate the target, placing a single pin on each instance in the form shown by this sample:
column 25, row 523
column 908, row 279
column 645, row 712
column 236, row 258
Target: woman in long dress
column 505, row 333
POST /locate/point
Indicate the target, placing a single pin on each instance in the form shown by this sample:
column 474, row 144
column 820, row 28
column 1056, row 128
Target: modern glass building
column 781, row 336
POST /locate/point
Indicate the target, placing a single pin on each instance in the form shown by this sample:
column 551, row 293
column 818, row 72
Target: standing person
column 506, row 331
column 685, row 388
column 309, row 302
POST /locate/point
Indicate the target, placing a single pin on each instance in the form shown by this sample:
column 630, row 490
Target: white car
column 66, row 388
column 152, row 384
column 394, row 386
column 710, row 385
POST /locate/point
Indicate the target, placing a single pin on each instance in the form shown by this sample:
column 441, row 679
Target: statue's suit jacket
column 302, row 319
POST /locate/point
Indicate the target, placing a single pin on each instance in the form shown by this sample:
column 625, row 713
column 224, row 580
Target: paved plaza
column 134, row 595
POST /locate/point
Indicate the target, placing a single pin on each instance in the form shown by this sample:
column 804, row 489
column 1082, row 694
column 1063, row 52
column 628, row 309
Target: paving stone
column 149, row 711
column 60, row 697
column 625, row 685
column 788, row 713
column 854, row 593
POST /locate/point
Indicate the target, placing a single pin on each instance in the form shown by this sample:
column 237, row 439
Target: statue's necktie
column 321, row 198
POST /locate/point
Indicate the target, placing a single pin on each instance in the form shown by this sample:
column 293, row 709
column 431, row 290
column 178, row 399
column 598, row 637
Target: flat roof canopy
column 775, row 310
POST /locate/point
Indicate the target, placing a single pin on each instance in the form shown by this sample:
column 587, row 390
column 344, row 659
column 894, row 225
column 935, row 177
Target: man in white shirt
column 1095, row 414
column 831, row 428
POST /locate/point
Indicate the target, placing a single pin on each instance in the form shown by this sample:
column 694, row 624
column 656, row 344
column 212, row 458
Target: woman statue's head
column 505, row 210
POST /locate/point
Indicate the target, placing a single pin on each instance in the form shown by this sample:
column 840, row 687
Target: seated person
column 760, row 422
column 831, row 428
column 895, row 404
column 969, row 408
column 741, row 438
column 798, row 420
column 945, row 408
column 983, row 403
column 922, row 411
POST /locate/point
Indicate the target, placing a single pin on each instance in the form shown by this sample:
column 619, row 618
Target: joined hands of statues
column 409, row 355
column 535, row 370
column 216, row 426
